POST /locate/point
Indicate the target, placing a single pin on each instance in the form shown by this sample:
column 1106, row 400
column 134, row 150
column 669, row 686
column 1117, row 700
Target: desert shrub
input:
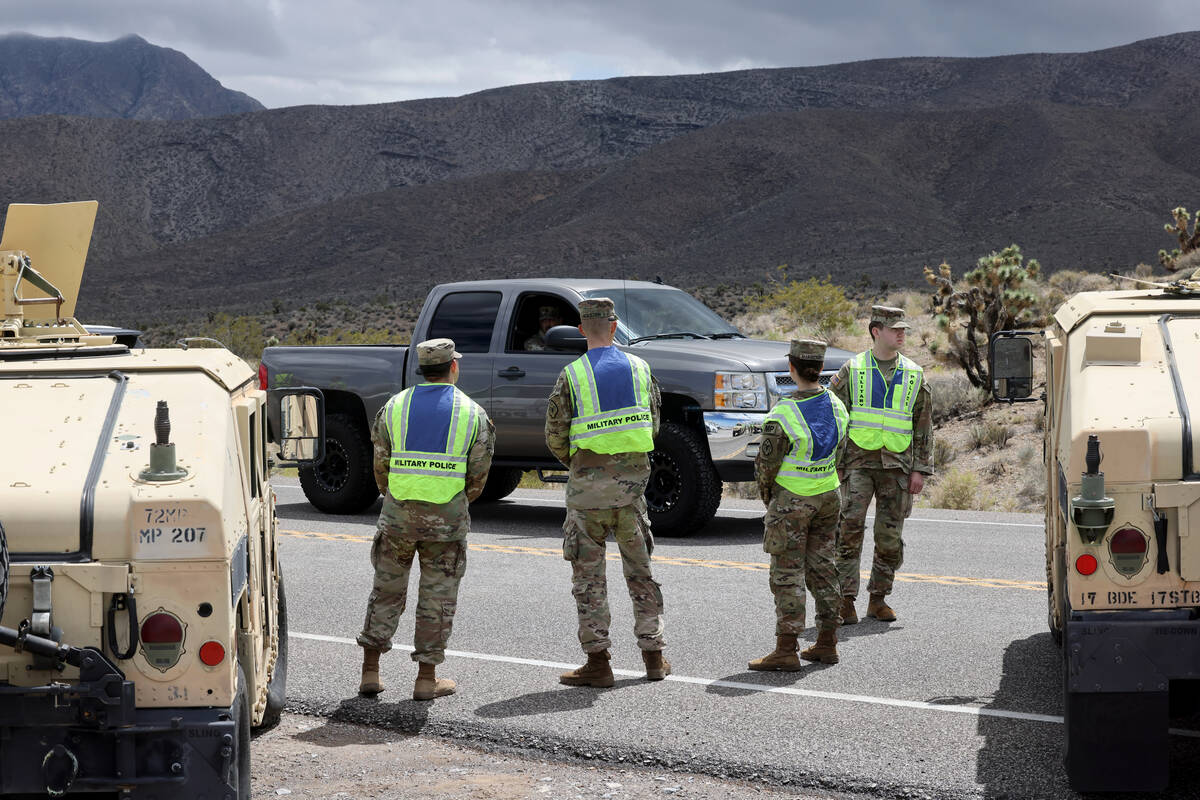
column 960, row 490
column 953, row 394
column 989, row 434
column 1032, row 489
column 813, row 306
column 943, row 453
column 1073, row 281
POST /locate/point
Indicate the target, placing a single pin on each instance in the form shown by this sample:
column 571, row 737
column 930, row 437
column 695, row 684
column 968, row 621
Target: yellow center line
column 750, row 566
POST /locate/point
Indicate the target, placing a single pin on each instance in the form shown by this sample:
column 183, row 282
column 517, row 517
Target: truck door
column 469, row 318
column 524, row 378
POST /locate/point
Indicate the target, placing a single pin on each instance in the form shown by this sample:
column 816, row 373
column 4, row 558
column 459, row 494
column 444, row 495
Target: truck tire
column 684, row 489
column 501, row 482
column 344, row 481
column 277, row 686
column 240, row 712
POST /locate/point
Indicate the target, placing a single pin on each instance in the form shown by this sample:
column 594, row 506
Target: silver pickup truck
column 717, row 386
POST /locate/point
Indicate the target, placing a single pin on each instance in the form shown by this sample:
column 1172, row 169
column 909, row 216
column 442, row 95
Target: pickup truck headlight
column 744, row 391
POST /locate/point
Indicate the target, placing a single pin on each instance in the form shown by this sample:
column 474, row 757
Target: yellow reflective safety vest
column 433, row 427
column 815, row 426
column 881, row 413
column 611, row 391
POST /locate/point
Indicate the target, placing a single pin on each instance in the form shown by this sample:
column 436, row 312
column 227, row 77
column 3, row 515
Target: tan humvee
column 1122, row 454
column 143, row 628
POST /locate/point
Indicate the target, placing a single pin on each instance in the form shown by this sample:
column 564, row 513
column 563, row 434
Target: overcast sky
column 294, row 52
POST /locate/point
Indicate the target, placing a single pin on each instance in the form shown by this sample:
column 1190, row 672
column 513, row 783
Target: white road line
column 753, row 687
column 752, row 513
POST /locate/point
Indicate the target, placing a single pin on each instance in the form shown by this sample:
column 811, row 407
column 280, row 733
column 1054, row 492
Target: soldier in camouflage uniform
column 888, row 457
column 433, row 449
column 802, row 442
column 600, row 422
column 548, row 317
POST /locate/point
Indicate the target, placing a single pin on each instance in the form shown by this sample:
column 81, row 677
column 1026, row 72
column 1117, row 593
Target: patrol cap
column 889, row 317
column 549, row 312
column 597, row 308
column 432, row 352
column 808, row 349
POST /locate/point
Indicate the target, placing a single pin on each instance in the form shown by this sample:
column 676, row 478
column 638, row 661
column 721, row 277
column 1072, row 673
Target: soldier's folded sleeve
column 381, row 441
column 559, row 410
column 923, row 432
column 479, row 459
column 771, row 450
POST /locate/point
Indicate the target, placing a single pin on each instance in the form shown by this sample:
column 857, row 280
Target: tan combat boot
column 825, row 650
column 596, row 672
column 429, row 686
column 370, row 684
column 657, row 667
column 879, row 609
column 848, row 614
column 782, row 659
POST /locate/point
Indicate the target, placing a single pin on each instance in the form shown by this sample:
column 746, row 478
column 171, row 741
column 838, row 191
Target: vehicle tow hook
column 60, row 767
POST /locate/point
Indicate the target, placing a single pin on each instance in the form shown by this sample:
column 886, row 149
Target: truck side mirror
column 566, row 337
column 1010, row 363
column 301, row 425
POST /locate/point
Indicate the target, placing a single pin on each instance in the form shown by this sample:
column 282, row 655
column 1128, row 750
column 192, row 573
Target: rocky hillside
column 863, row 170
column 127, row 78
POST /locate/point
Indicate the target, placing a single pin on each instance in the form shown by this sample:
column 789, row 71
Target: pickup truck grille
column 780, row 384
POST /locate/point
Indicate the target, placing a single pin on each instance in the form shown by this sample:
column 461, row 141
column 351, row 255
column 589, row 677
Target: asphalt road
column 960, row 697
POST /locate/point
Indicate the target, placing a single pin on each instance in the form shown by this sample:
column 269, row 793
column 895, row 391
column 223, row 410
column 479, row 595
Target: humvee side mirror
column 566, row 337
column 1010, row 363
column 301, row 425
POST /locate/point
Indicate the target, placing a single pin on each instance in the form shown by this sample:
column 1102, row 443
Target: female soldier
column 796, row 469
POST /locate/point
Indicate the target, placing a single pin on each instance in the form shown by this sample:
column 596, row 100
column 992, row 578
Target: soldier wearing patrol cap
column 888, row 457
column 601, row 422
column 796, row 470
column 548, row 317
column 433, row 449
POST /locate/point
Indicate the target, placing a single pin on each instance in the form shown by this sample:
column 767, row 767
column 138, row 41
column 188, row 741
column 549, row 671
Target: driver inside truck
column 548, row 316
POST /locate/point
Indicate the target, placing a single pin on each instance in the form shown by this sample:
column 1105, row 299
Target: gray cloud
column 291, row 52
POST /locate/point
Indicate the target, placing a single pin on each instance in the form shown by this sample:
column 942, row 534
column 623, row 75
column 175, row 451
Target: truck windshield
column 662, row 312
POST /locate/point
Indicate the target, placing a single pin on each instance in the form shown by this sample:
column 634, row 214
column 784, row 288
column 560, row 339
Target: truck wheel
column 240, row 711
column 501, row 482
column 684, row 489
column 277, row 686
column 1057, row 603
column 344, row 481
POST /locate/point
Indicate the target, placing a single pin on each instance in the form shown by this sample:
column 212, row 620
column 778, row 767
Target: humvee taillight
column 1086, row 564
column 263, row 380
column 212, row 653
column 1128, row 548
column 162, row 639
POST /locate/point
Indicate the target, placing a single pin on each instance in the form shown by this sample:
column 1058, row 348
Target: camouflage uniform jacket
column 415, row 520
column 774, row 446
column 596, row 480
column 919, row 455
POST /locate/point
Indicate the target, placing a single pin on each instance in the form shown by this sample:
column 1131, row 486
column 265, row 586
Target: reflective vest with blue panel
column 433, row 427
column 611, row 391
column 815, row 426
column 881, row 412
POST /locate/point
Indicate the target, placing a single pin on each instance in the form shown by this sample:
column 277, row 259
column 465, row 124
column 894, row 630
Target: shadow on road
column 763, row 681
column 1024, row 759
column 569, row 698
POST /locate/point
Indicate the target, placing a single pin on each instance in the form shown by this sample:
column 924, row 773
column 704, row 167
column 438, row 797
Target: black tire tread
column 277, row 686
column 360, row 491
column 708, row 486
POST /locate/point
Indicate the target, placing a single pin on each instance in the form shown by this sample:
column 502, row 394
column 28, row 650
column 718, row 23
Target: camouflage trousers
column 801, row 537
column 442, row 567
column 893, row 503
column 584, row 535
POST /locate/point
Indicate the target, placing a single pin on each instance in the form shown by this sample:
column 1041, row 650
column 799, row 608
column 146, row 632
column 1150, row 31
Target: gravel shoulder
column 311, row 757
